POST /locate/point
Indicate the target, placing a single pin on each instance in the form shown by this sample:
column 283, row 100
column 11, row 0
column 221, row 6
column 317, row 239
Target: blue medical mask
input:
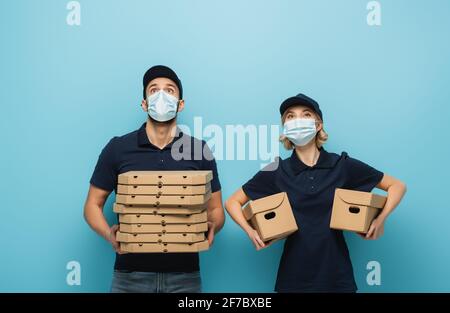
column 162, row 106
column 300, row 131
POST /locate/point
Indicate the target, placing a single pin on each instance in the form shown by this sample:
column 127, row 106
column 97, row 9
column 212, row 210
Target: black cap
column 301, row 99
column 161, row 71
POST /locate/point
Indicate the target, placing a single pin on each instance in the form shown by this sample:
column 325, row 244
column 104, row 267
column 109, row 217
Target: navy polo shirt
column 315, row 258
column 134, row 152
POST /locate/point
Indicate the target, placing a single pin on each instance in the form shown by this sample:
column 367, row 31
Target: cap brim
column 293, row 101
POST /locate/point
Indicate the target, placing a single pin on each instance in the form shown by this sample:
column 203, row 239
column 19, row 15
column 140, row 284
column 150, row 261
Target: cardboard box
column 153, row 209
column 161, row 238
column 355, row 210
column 163, row 189
column 163, row 219
column 166, row 228
column 163, row 200
column 271, row 216
column 165, row 178
column 163, row 211
column 164, row 247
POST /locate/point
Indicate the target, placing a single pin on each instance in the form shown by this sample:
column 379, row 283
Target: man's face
column 162, row 83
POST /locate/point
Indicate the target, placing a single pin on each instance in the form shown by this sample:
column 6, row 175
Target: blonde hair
column 321, row 136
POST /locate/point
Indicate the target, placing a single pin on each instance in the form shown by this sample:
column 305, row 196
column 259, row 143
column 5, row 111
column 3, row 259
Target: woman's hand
column 112, row 239
column 396, row 190
column 234, row 207
column 376, row 229
column 254, row 237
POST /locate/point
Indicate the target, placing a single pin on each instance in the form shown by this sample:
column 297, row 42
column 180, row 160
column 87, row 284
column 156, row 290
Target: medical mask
column 162, row 106
column 300, row 131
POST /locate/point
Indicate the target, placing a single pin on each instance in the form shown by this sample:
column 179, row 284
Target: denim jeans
column 151, row 282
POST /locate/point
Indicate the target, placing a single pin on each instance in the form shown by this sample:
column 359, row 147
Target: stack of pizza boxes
column 163, row 211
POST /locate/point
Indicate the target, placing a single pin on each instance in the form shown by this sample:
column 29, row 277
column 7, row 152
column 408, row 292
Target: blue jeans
column 151, row 282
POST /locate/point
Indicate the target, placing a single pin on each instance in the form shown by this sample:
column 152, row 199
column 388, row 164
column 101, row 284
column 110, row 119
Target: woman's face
column 300, row 111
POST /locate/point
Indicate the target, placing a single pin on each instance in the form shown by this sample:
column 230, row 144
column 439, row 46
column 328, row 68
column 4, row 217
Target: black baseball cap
column 161, row 71
column 301, row 99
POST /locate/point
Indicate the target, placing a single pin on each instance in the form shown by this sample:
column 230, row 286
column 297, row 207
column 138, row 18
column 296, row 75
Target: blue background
column 66, row 90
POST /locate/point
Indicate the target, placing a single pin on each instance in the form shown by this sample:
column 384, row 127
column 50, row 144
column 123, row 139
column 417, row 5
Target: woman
column 315, row 258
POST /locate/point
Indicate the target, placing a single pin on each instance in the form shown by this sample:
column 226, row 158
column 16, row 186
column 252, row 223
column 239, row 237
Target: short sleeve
column 209, row 163
column 105, row 172
column 263, row 183
column 360, row 176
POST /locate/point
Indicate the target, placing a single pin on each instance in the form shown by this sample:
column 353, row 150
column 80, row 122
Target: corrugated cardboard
column 163, row 200
column 164, row 247
column 271, row 216
column 163, row 189
column 153, row 209
column 165, row 178
column 159, row 228
column 166, row 238
column 163, row 219
column 355, row 210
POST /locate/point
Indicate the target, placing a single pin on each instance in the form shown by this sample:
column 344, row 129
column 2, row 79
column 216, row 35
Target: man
column 157, row 145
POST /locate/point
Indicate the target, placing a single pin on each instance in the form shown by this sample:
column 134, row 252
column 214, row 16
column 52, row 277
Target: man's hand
column 112, row 239
column 211, row 231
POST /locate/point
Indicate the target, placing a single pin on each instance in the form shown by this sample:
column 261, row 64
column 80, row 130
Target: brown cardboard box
column 163, row 189
column 165, row 238
column 163, row 200
column 160, row 228
column 164, row 247
column 163, row 219
column 271, row 216
column 165, row 178
column 355, row 210
column 163, row 211
column 153, row 209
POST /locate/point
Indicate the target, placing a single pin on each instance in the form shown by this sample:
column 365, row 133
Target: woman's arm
column 234, row 207
column 395, row 189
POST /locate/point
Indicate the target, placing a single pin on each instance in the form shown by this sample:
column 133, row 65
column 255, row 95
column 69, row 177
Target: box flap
column 361, row 198
column 165, row 177
column 164, row 247
column 163, row 189
column 163, row 200
column 167, row 228
column 263, row 204
column 147, row 209
column 163, row 219
column 161, row 238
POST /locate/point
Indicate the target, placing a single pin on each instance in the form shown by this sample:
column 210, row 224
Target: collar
column 144, row 141
column 325, row 160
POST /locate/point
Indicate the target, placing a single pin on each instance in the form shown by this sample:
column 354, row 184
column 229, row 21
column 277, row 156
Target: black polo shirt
column 134, row 152
column 315, row 258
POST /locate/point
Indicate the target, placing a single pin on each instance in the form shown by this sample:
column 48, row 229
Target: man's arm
column 216, row 215
column 93, row 214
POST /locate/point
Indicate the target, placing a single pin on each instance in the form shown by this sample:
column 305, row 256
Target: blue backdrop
column 66, row 90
